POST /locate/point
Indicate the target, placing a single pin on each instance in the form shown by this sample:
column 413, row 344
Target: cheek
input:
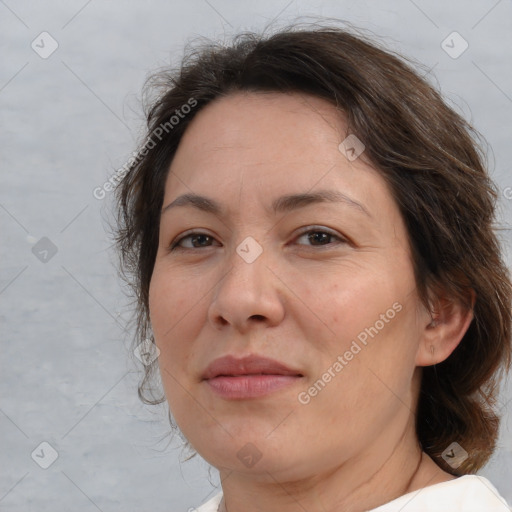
column 372, row 382
column 160, row 299
column 356, row 301
column 371, row 317
column 167, row 307
column 171, row 296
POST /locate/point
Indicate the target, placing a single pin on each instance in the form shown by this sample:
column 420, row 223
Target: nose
column 248, row 294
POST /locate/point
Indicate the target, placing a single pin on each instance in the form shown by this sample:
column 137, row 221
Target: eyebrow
column 282, row 204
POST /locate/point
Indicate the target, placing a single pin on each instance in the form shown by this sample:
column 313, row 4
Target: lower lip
column 250, row 386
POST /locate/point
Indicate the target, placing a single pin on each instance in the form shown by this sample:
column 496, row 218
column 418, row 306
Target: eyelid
column 323, row 229
column 306, row 229
column 191, row 232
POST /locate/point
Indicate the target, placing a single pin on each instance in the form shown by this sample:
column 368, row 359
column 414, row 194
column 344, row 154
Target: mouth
column 250, row 377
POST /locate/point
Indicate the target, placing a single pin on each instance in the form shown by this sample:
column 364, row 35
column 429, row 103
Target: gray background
column 67, row 122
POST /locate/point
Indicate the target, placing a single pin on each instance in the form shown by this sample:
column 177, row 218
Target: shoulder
column 210, row 506
column 468, row 493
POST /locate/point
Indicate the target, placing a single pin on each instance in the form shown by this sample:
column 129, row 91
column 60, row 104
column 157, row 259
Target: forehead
column 264, row 125
column 269, row 145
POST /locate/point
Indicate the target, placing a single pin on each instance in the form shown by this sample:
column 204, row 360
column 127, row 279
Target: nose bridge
column 247, row 289
column 249, row 250
column 248, row 266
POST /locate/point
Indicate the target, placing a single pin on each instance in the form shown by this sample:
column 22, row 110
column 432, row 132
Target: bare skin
column 352, row 445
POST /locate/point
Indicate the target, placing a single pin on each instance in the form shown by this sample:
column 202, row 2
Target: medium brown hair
column 428, row 154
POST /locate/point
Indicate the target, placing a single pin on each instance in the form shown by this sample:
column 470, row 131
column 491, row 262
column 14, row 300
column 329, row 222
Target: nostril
column 223, row 321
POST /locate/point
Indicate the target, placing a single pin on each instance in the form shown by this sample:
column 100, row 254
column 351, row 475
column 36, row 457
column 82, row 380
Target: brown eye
column 197, row 240
column 320, row 237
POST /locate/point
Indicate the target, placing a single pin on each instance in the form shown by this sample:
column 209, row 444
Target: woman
column 309, row 231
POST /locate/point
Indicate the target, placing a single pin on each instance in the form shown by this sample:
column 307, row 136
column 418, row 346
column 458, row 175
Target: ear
column 442, row 333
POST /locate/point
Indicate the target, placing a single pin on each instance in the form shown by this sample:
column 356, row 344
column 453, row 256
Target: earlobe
column 445, row 330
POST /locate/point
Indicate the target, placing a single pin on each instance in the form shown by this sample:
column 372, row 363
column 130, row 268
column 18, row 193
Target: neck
column 382, row 473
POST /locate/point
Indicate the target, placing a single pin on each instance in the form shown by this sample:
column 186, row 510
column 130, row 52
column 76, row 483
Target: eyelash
column 311, row 229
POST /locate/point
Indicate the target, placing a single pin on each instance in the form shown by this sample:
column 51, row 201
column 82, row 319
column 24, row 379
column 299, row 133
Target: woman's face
column 325, row 287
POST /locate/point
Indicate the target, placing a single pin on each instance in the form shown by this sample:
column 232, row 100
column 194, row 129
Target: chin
column 253, row 455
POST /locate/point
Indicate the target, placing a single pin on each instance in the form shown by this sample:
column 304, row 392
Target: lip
column 248, row 377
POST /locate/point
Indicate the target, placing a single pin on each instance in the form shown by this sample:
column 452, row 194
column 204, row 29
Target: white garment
column 468, row 493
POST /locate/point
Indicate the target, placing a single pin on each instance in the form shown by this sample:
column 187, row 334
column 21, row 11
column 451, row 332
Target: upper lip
column 248, row 365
